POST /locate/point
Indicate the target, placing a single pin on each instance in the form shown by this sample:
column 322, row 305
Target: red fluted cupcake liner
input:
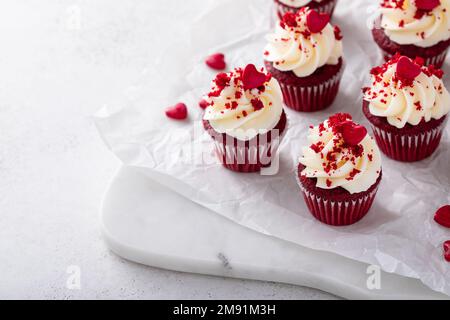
column 311, row 98
column 336, row 207
column 327, row 7
column 409, row 147
column 437, row 60
column 339, row 213
column 434, row 55
column 247, row 156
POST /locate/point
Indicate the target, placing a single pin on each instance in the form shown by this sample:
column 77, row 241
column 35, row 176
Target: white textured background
column 60, row 61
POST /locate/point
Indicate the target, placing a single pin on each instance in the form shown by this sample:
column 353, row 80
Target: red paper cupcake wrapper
column 240, row 157
column 437, row 61
column 339, row 213
column 311, row 98
column 282, row 9
column 409, row 148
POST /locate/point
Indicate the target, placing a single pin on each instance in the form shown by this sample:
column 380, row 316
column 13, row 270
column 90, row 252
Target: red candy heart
column 447, row 250
column 407, row 70
column 316, row 22
column 203, row 104
column 353, row 134
column 442, row 216
column 177, row 112
column 427, row 5
column 216, row 61
column 252, row 78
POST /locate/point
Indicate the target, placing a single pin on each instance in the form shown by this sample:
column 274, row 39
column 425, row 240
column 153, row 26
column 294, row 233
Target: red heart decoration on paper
column 216, row 61
column 407, row 69
column 203, row 104
column 177, row 112
column 353, row 134
column 316, row 22
column 427, row 5
column 442, row 216
column 447, row 250
column 252, row 78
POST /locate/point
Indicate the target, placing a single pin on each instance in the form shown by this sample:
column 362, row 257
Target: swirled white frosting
column 335, row 165
column 233, row 111
column 426, row 99
column 296, row 49
column 404, row 26
column 298, row 3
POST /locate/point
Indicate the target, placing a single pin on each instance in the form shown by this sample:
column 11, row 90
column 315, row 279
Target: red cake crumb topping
column 315, row 22
column 348, row 136
column 407, row 71
column 242, row 80
column 424, row 7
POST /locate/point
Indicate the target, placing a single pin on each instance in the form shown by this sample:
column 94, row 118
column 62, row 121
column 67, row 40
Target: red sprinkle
column 427, row 5
column 216, row 61
column 177, row 112
column 447, row 250
column 203, row 104
column 442, row 216
column 252, row 78
column 316, row 22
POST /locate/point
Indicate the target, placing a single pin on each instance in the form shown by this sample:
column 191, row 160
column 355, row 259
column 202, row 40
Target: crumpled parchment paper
column 399, row 233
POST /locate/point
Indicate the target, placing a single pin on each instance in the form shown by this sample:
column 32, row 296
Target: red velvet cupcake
column 245, row 118
column 305, row 56
column 407, row 105
column 340, row 171
column 414, row 28
column 322, row 6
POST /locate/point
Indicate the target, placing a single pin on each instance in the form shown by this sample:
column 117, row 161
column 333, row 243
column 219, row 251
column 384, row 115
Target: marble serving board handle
column 146, row 223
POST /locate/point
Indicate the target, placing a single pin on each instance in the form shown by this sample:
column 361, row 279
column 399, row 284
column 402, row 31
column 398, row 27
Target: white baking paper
column 399, row 233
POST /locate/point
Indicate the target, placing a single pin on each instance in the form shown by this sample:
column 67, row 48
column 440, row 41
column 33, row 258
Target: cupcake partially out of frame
column 339, row 171
column 407, row 105
column 414, row 28
column 245, row 118
column 305, row 55
column 322, row 6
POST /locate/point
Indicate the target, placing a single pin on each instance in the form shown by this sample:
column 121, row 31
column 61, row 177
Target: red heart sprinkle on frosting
column 203, row 104
column 427, row 5
column 216, row 61
column 353, row 133
column 316, row 22
column 442, row 216
column 447, row 250
column 252, row 78
column 407, row 70
column 177, row 112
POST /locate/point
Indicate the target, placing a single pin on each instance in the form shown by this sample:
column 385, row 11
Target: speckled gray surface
column 60, row 61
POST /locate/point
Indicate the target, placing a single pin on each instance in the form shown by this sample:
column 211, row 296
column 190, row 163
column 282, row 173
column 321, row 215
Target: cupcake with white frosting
column 305, row 55
column 339, row 171
column 407, row 105
column 245, row 118
column 322, row 6
column 414, row 28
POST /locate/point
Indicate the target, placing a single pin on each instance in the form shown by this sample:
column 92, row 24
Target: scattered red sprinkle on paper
column 177, row 112
column 316, row 22
column 203, row 104
column 442, row 216
column 427, row 5
column 216, row 61
column 447, row 250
